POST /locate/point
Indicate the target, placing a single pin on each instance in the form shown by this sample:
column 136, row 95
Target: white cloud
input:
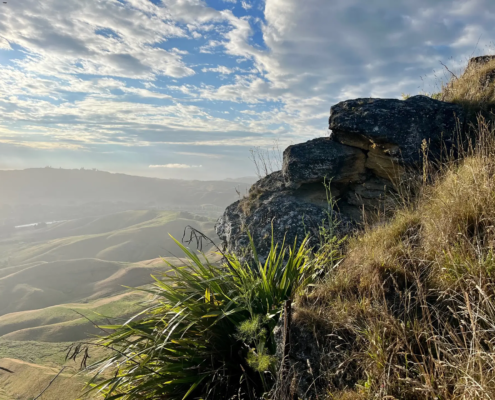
column 323, row 47
column 176, row 166
column 43, row 145
column 109, row 73
column 175, row 50
column 221, row 69
column 109, row 38
column 4, row 44
column 210, row 46
column 246, row 5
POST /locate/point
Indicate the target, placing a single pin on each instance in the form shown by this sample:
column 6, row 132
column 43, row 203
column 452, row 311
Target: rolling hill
column 48, row 266
column 70, row 322
column 131, row 243
column 59, row 281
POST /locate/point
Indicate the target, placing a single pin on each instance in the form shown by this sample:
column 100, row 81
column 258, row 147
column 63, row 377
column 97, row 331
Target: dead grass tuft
column 474, row 89
column 251, row 201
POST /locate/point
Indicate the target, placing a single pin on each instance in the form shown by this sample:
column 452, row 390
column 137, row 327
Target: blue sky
column 185, row 88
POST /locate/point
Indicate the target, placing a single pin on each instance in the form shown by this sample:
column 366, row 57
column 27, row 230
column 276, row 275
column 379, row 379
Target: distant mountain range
column 48, row 194
column 243, row 179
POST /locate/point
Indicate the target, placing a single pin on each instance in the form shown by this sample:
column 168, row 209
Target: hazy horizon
column 244, row 179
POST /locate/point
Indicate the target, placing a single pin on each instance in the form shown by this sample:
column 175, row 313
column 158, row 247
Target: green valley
column 60, row 281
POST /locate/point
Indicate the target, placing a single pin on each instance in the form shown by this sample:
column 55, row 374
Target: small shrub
column 251, row 201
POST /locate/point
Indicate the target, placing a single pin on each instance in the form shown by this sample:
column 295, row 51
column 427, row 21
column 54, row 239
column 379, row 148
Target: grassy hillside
column 410, row 312
column 95, row 225
column 31, row 379
column 138, row 236
column 56, row 282
column 48, row 266
column 63, row 323
column 34, row 365
column 60, row 282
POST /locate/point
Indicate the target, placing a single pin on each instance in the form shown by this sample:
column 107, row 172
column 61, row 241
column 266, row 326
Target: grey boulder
column 396, row 128
column 316, row 159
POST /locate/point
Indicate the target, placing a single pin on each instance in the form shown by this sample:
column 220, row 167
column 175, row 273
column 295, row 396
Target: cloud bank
column 120, row 83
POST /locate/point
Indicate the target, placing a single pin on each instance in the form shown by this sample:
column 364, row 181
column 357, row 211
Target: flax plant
column 188, row 342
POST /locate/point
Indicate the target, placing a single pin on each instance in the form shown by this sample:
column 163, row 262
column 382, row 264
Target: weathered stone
column 487, row 78
column 370, row 193
column 273, row 182
column 479, row 61
column 316, row 159
column 401, row 125
column 291, row 219
column 374, row 142
column 316, row 193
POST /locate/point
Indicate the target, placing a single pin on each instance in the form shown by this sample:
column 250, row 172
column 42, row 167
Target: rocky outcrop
column 372, row 144
column 476, row 62
column 290, row 217
column 393, row 130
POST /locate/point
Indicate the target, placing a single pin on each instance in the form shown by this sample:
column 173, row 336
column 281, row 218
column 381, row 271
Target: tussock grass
column 251, row 201
column 474, row 89
column 411, row 309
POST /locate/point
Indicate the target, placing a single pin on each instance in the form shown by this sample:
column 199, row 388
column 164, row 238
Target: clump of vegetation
column 251, row 201
column 209, row 332
column 267, row 160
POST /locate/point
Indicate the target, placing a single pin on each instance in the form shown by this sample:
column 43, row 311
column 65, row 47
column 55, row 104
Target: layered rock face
column 373, row 142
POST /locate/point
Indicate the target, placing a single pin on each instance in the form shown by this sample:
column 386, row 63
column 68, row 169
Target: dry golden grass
column 251, row 201
column 29, row 380
column 411, row 309
column 474, row 89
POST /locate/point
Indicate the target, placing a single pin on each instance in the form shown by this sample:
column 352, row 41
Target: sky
column 185, row 88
